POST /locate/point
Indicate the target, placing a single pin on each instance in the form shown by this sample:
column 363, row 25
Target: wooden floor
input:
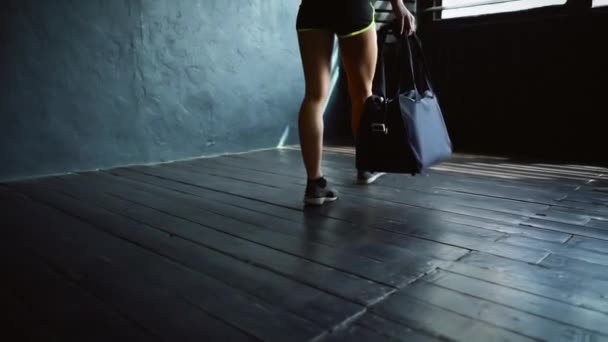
column 222, row 249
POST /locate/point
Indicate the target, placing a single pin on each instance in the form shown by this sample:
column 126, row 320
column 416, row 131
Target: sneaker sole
column 319, row 201
column 370, row 179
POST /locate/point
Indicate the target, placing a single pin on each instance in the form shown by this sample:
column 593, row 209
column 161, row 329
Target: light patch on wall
column 284, row 137
column 335, row 72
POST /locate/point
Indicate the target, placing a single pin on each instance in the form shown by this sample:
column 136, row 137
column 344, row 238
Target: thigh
column 316, row 47
column 359, row 54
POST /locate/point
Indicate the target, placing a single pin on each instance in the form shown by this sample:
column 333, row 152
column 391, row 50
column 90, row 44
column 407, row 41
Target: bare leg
column 359, row 55
column 315, row 50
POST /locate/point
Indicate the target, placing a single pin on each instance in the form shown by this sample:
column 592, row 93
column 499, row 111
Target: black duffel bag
column 403, row 132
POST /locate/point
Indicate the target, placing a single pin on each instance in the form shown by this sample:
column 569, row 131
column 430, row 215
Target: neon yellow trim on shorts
column 364, row 29
column 310, row 29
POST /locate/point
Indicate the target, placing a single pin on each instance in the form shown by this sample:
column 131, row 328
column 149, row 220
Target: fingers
column 411, row 24
column 401, row 25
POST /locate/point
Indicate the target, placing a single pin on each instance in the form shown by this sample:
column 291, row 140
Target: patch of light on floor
column 555, row 170
column 283, row 137
column 441, row 167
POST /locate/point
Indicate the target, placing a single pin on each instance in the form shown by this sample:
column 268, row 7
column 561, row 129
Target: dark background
column 94, row 84
column 529, row 84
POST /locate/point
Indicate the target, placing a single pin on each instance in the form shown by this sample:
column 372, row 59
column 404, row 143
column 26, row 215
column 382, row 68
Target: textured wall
column 94, row 84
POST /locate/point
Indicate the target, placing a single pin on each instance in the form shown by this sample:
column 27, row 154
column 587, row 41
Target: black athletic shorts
column 346, row 18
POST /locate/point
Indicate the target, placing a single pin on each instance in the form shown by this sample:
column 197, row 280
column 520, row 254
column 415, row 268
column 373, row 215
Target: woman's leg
column 359, row 55
column 316, row 48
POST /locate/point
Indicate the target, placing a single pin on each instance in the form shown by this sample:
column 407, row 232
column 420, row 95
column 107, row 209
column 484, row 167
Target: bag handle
column 379, row 81
column 405, row 41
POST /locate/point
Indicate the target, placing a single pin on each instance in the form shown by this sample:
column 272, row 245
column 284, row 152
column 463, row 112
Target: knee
column 316, row 95
column 360, row 94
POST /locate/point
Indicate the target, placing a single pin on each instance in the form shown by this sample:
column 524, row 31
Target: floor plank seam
column 523, row 224
column 488, row 280
column 568, row 239
column 348, row 322
column 438, row 336
column 493, row 196
column 564, row 322
column 539, row 261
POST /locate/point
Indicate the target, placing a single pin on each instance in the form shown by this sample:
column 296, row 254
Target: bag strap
column 426, row 72
column 405, row 45
column 379, row 81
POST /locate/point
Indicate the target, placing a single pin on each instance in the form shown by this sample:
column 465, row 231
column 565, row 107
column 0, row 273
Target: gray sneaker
column 366, row 177
column 318, row 192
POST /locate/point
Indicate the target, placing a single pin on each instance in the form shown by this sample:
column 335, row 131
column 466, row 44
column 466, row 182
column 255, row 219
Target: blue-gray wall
column 95, row 84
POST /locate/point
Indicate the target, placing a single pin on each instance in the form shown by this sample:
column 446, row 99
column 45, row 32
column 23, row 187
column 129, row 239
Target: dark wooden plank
column 474, row 242
column 351, row 287
column 358, row 332
column 305, row 301
column 560, row 249
column 374, row 243
column 563, row 215
column 20, row 320
column 590, row 272
column 583, row 322
column 555, row 283
column 516, row 189
column 529, row 325
column 441, row 323
column 54, row 307
column 423, row 226
column 508, row 228
column 524, row 190
column 393, row 329
column 379, row 215
column 568, row 228
column 394, row 273
column 598, row 210
column 589, row 196
column 406, row 196
column 521, row 171
column 419, row 200
column 22, row 323
column 289, row 213
column 149, row 289
column 345, row 180
column 601, row 224
column 600, row 246
column 584, row 172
